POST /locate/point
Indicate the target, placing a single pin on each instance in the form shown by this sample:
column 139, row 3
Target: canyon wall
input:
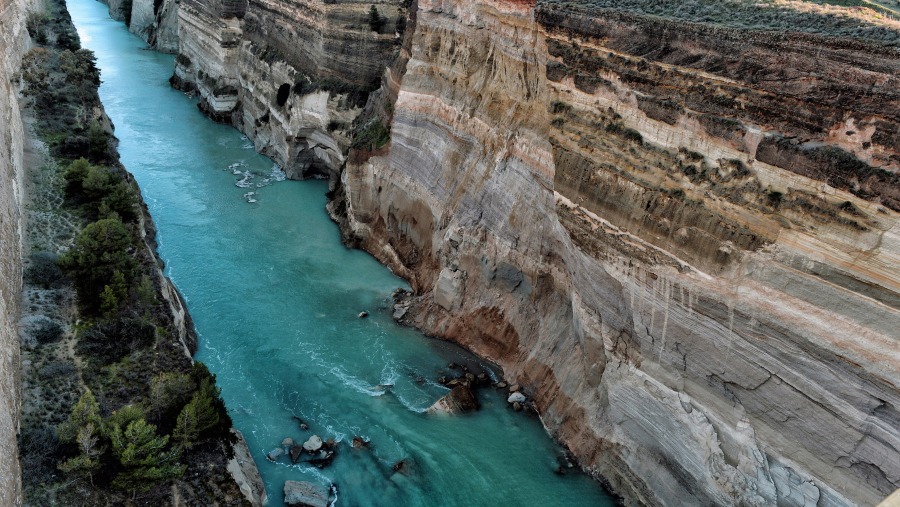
column 680, row 239
column 293, row 76
column 14, row 41
column 155, row 21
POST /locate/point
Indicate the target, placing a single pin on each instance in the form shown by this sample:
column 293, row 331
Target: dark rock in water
column 420, row 380
column 359, row 443
column 470, row 377
column 517, row 406
column 400, row 466
column 442, row 380
column 322, row 460
column 458, row 401
column 501, row 384
column 304, row 494
column 303, row 425
column 482, row 377
column 330, row 443
column 363, row 315
column 453, row 366
column 274, row 454
column 296, row 451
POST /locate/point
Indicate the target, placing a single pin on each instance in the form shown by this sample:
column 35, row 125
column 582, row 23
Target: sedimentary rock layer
column 293, row 76
column 681, row 240
column 14, row 40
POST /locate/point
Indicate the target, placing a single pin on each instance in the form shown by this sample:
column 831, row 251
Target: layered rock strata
column 689, row 258
column 14, row 41
column 681, row 240
column 293, row 76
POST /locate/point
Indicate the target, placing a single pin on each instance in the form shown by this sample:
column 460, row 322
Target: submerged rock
column 459, row 400
column 313, row 444
column 287, row 442
column 360, row 443
column 304, row 494
column 274, row 454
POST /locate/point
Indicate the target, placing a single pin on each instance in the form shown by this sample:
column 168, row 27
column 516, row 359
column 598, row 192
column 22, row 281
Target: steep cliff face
column 293, row 76
column 155, row 21
column 14, row 40
column 682, row 240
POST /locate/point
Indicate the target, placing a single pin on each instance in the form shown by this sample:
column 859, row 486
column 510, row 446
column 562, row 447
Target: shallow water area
column 274, row 296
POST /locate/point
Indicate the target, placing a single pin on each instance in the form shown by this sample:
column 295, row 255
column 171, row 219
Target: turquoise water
column 275, row 297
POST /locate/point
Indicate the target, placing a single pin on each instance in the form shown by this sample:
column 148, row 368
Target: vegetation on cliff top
column 867, row 20
column 143, row 401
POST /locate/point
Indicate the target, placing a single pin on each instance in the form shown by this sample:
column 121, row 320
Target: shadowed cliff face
column 14, row 40
column 682, row 241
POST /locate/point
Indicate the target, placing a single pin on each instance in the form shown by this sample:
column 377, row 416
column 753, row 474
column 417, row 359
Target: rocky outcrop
column 680, row 239
column 14, row 40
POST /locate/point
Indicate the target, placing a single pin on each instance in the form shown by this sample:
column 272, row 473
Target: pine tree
column 198, row 415
column 83, row 428
column 376, row 22
column 144, row 456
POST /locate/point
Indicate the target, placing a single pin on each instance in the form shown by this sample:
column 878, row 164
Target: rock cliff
column 293, row 76
column 155, row 21
column 14, row 40
column 680, row 238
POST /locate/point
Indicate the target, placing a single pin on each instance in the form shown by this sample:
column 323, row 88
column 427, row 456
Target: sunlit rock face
column 682, row 241
column 292, row 76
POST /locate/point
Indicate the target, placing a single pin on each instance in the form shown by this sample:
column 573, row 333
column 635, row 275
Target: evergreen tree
column 83, row 428
column 198, row 415
column 100, row 251
column 376, row 21
column 144, row 456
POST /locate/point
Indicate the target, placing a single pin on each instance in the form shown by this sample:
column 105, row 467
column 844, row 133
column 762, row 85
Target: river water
column 275, row 295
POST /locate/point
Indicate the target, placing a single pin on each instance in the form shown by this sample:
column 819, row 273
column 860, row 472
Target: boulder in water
column 516, row 397
column 274, row 454
column 304, row 494
column 287, row 442
column 296, row 451
column 360, row 443
column 363, row 315
column 313, row 444
column 459, row 400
